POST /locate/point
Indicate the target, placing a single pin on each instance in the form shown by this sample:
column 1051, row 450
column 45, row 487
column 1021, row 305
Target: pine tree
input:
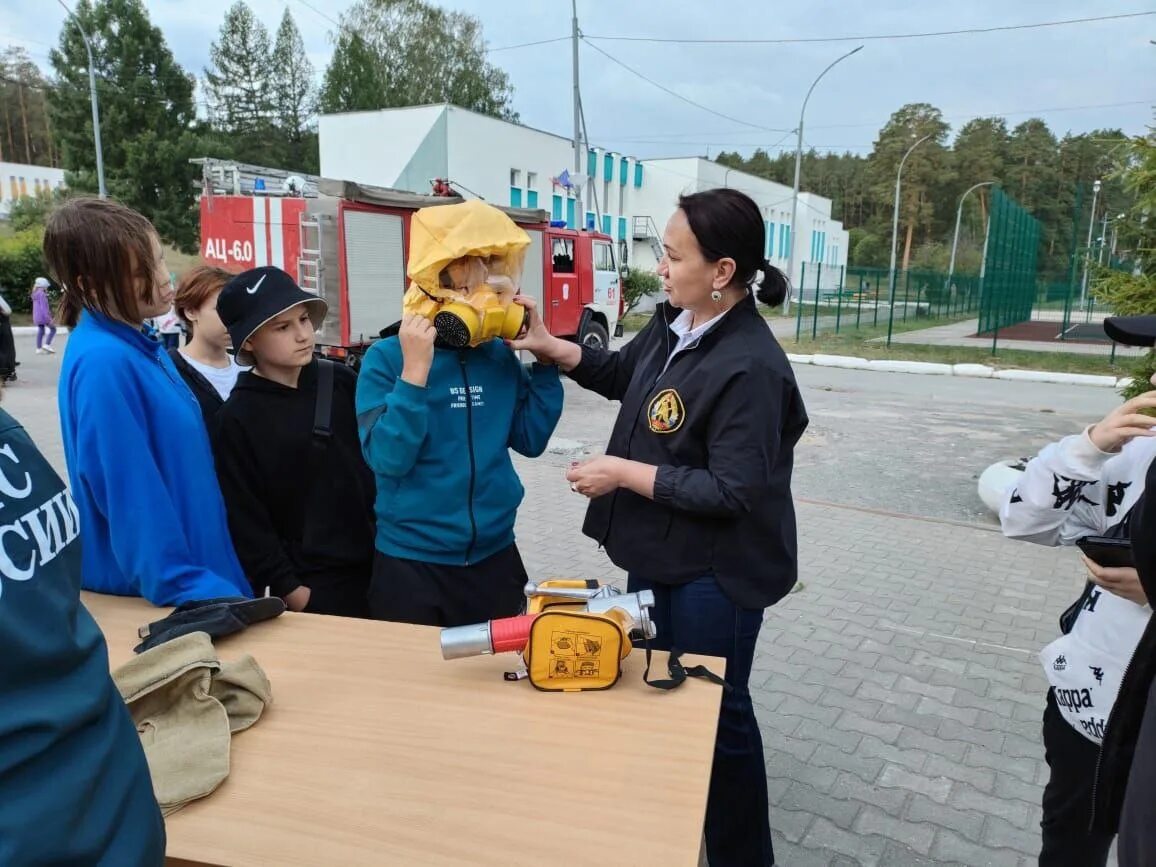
column 240, row 81
column 294, row 97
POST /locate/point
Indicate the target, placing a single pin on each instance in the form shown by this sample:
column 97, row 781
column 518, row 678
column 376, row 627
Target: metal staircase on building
column 645, row 230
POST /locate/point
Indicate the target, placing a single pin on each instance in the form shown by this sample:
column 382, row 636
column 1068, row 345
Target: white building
column 510, row 164
column 18, row 181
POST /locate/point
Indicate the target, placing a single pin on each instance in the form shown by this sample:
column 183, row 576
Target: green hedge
column 21, row 262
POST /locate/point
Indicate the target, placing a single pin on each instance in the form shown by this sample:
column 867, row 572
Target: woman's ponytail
column 773, row 287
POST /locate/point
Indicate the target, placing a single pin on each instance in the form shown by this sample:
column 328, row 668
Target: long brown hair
column 97, row 250
column 196, row 286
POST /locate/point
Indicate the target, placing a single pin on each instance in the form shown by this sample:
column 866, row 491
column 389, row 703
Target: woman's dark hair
column 97, row 249
column 728, row 225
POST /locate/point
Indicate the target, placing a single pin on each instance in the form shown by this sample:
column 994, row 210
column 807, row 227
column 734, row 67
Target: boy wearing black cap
column 298, row 493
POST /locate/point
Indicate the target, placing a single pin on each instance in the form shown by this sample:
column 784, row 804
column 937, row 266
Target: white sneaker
column 40, row 351
column 49, row 350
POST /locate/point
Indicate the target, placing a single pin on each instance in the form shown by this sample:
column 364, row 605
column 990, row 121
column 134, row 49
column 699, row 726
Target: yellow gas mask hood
column 465, row 266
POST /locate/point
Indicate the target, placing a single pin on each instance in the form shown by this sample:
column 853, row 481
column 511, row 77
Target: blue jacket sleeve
column 148, row 539
column 392, row 415
column 538, row 410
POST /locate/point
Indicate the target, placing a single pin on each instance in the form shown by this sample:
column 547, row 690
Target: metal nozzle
column 459, row 642
column 636, row 605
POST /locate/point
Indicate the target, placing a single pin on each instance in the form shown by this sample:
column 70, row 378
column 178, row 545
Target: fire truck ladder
column 309, row 263
column 645, row 230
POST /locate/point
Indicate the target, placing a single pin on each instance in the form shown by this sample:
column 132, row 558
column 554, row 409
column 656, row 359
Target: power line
column 679, row 96
column 662, row 138
column 877, row 36
column 341, row 26
column 529, row 44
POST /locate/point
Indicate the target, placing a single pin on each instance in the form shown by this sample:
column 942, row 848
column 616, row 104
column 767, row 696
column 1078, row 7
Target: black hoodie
column 1128, row 757
column 299, row 513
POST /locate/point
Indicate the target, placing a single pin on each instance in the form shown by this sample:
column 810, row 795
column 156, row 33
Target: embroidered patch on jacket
column 666, row 412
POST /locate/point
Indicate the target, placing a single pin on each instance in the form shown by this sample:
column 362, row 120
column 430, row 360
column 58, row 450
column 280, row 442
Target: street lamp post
column 93, row 99
column 1088, row 244
column 798, row 171
column 955, row 238
column 895, row 234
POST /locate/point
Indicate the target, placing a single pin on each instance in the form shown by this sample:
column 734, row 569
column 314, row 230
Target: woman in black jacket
column 693, row 495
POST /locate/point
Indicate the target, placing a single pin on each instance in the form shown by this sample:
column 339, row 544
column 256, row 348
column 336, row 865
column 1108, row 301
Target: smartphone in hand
column 1109, row 552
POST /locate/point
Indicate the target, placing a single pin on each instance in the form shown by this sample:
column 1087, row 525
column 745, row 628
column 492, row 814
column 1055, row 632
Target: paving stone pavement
column 897, row 689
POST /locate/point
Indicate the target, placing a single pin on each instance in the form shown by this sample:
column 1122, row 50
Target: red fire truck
column 348, row 243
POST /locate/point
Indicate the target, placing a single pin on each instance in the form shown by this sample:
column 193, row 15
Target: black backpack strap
column 679, row 673
column 323, row 410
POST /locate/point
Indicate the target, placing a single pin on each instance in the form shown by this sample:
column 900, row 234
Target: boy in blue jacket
column 437, row 425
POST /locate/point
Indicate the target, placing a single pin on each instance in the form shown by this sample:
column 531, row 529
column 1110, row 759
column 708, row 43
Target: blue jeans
column 699, row 618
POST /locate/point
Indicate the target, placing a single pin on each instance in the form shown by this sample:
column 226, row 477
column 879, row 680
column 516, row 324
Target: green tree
column 925, row 173
column 391, row 53
column 148, row 124
column 980, row 151
column 295, row 97
column 239, row 82
column 1131, row 293
column 25, row 131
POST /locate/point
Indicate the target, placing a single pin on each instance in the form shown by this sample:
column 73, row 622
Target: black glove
column 218, row 617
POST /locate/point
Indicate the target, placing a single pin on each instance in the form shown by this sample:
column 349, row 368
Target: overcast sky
column 1077, row 77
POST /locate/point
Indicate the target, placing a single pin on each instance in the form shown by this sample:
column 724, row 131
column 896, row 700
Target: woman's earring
column 716, row 296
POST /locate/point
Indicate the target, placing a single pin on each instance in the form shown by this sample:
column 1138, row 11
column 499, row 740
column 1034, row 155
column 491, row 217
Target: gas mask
column 471, row 305
column 465, row 264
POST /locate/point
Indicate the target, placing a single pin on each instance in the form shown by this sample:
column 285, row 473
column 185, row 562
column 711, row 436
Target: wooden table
column 376, row 751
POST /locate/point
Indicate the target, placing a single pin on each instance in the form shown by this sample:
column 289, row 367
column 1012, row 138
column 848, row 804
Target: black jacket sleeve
column 743, row 440
column 255, row 539
column 608, row 372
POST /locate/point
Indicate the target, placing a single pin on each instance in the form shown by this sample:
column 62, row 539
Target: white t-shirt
column 221, row 378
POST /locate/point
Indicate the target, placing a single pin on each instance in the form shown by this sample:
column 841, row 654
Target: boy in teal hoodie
column 437, row 425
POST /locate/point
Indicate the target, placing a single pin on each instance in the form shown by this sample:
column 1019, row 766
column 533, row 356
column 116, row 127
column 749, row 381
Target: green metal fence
column 1009, row 285
column 861, row 298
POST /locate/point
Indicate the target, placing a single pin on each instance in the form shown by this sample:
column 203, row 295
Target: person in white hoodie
column 1085, row 485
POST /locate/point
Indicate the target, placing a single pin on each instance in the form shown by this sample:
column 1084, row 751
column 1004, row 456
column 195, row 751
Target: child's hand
column 417, row 336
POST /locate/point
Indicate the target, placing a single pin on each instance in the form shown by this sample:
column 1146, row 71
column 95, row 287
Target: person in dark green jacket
column 74, row 785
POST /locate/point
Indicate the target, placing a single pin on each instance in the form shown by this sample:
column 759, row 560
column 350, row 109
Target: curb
column 971, row 371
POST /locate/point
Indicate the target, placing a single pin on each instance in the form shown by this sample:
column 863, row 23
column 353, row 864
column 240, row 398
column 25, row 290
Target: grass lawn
column 858, row 344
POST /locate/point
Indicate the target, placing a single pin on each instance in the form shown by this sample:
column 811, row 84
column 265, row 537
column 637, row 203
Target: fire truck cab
column 349, row 243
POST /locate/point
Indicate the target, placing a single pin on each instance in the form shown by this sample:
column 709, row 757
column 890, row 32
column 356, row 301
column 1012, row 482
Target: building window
column 563, row 253
column 768, row 241
column 621, row 228
column 592, row 163
column 531, row 180
column 515, row 197
column 556, row 207
column 623, row 170
column 637, row 175
column 784, row 241
column 532, row 199
column 15, row 189
column 607, row 224
column 23, row 188
column 515, row 178
column 590, row 222
column 570, row 213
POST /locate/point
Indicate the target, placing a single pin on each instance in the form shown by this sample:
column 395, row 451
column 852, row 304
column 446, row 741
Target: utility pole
column 94, row 101
column 579, row 213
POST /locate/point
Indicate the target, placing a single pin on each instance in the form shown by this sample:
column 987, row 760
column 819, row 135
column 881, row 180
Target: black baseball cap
column 1132, row 330
column 254, row 297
